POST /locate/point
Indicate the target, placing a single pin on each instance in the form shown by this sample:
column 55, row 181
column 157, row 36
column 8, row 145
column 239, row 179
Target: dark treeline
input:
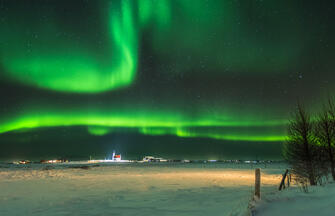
column 310, row 146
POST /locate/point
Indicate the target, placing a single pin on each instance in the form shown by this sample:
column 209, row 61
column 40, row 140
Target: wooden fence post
column 258, row 183
column 282, row 183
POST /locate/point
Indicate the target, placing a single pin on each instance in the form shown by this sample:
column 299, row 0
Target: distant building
column 116, row 157
column 22, row 162
column 54, row 161
column 153, row 159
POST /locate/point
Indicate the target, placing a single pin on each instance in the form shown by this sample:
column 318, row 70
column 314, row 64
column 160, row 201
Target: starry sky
column 213, row 79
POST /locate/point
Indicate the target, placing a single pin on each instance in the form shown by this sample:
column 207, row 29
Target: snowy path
column 129, row 190
column 320, row 201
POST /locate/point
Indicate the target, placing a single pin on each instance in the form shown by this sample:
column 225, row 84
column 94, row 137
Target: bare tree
column 300, row 150
column 325, row 132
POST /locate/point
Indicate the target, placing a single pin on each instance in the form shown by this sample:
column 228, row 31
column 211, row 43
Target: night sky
column 213, row 79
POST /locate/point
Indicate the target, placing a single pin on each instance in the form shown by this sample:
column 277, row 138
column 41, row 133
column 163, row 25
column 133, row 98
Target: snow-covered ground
column 320, row 201
column 132, row 189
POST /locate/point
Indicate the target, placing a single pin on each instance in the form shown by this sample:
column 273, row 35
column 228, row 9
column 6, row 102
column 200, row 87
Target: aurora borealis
column 129, row 74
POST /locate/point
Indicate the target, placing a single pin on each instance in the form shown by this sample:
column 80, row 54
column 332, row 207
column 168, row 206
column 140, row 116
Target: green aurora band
column 101, row 122
column 71, row 69
column 62, row 64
